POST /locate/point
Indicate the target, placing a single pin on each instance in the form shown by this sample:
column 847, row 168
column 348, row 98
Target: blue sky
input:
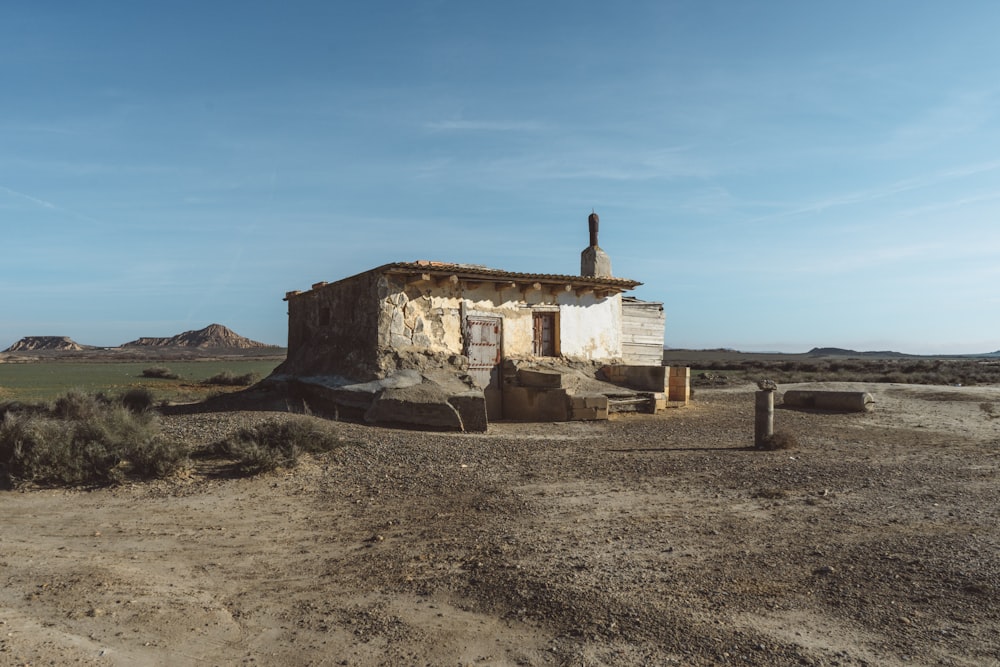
column 781, row 175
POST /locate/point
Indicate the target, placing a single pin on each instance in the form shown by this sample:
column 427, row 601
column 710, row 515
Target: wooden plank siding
column 643, row 327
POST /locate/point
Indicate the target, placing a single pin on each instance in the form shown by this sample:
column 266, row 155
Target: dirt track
column 647, row 540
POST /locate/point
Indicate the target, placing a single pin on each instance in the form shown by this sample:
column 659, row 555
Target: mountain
column 35, row 343
column 214, row 335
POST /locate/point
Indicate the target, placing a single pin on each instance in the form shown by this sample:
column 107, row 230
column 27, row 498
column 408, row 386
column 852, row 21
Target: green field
column 45, row 380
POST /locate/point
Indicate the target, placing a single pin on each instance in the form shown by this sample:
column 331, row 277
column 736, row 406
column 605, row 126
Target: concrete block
column 471, row 407
column 388, row 409
column 839, row 401
column 535, row 404
column 588, row 414
column 642, row 378
column 540, row 379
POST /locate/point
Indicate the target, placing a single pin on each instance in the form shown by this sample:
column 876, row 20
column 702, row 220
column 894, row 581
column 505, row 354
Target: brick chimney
column 594, row 262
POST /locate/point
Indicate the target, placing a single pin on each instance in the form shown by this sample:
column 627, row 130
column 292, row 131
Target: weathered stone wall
column 418, row 316
column 334, row 329
column 430, row 317
column 366, row 326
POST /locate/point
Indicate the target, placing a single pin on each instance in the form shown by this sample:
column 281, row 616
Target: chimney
column 594, row 262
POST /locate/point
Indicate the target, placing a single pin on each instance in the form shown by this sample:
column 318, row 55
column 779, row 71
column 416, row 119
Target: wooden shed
column 643, row 327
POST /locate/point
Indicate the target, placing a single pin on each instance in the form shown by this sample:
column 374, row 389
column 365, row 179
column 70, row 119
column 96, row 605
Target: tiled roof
column 476, row 273
column 487, row 274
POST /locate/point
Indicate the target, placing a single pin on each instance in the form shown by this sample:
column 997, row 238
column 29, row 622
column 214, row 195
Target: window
column 545, row 335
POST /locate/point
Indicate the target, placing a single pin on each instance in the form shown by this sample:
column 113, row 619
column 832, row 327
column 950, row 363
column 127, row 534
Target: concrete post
column 763, row 416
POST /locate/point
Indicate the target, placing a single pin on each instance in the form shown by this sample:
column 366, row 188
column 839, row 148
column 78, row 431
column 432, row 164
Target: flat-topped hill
column 37, row 343
column 214, row 335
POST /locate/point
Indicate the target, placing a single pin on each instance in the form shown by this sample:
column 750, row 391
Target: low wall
column 673, row 381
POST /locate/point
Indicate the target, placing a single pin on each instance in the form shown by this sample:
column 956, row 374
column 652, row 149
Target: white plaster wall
column 591, row 328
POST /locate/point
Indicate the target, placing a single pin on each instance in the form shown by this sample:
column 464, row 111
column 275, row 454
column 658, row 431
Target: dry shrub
column 84, row 440
column 770, row 493
column 160, row 372
column 137, row 399
column 277, row 443
column 779, row 440
column 230, row 379
column 77, row 405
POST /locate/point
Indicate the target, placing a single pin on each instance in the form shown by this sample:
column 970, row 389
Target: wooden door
column 483, row 347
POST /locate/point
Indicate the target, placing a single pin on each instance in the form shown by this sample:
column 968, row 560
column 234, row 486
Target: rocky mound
column 35, row 343
column 214, row 335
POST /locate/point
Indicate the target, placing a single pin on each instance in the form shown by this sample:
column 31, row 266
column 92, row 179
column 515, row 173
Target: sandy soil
column 645, row 540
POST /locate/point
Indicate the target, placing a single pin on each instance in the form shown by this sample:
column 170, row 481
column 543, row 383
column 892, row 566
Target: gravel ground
column 644, row 540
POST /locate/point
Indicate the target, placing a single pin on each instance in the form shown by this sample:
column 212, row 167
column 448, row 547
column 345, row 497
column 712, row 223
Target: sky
column 782, row 175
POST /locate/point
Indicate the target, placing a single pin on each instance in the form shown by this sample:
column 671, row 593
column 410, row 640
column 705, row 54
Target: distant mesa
column 36, row 343
column 841, row 352
column 212, row 336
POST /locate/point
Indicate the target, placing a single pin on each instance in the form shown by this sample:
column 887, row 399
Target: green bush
column 277, row 443
column 84, row 440
column 229, row 379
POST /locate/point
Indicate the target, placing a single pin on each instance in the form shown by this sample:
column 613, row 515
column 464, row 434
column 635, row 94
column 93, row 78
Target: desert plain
column 644, row 540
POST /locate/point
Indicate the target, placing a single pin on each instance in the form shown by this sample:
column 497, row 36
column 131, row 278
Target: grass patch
column 84, row 440
column 46, row 380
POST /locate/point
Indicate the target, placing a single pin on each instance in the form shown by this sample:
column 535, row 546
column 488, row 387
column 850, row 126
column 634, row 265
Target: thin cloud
column 597, row 163
column 889, row 190
column 34, row 200
column 484, row 126
column 49, row 205
column 963, row 116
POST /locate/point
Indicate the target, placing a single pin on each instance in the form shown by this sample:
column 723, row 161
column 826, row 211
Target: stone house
column 420, row 338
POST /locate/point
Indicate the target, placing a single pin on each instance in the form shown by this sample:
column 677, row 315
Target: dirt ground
column 653, row 540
